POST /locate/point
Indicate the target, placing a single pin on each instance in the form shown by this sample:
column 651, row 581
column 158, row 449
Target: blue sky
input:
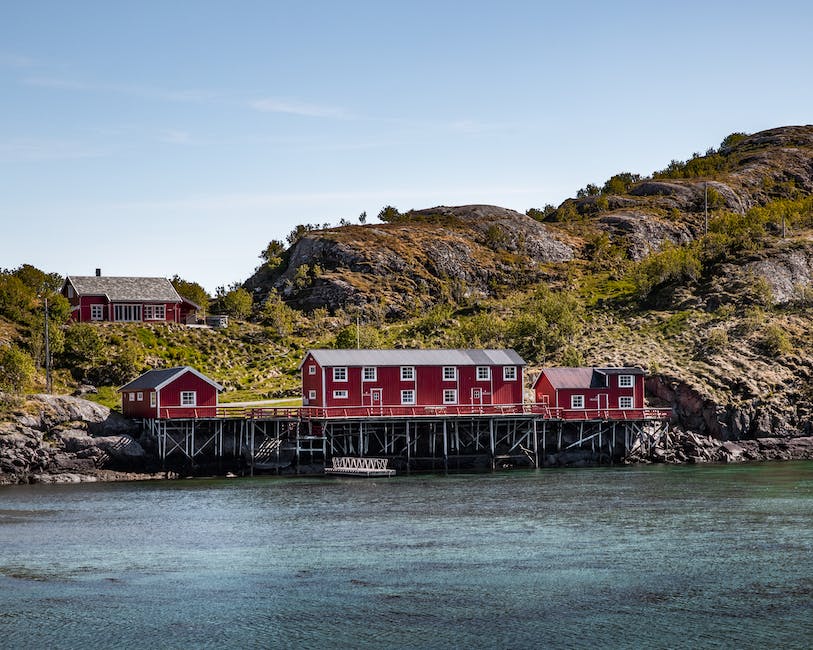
column 155, row 138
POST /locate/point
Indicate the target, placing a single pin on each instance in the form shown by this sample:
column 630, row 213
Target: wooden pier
column 413, row 439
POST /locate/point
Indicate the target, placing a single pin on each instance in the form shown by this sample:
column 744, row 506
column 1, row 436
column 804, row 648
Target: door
column 375, row 397
column 477, row 396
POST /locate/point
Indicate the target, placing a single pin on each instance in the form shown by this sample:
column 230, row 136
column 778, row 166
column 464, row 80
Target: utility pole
column 358, row 329
column 47, row 352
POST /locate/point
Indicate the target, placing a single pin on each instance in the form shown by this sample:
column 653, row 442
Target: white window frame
column 311, row 394
column 407, row 373
column 577, row 401
column 127, row 312
column 340, row 373
column 449, row 373
column 450, row 396
column 509, row 373
column 340, row 394
column 132, row 397
column 312, row 369
column 483, row 373
column 155, row 312
column 408, row 397
column 139, row 397
column 369, row 373
column 189, row 398
column 97, row 312
column 625, row 402
column 153, row 399
column 626, row 381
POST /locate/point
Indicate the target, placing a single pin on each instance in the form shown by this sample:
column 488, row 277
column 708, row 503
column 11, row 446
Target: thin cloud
column 144, row 92
column 45, row 150
column 291, row 107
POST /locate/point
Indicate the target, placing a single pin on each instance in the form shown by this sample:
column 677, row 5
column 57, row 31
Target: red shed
column 126, row 299
column 181, row 392
column 591, row 389
column 373, row 378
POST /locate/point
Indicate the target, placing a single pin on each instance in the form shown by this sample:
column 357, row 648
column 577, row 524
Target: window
column 369, row 374
column 577, row 401
column 127, row 313
column 450, row 396
column 152, row 400
column 189, row 398
column 509, row 373
column 407, row 397
column 407, row 373
column 140, row 397
column 311, row 394
column 132, row 397
column 70, row 291
column 625, row 402
column 449, row 373
column 97, row 312
column 311, row 369
column 625, row 381
column 483, row 373
column 339, row 394
column 340, row 374
column 155, row 312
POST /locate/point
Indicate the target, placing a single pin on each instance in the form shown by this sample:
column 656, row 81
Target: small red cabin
column 170, row 393
column 386, row 378
column 591, row 389
column 126, row 299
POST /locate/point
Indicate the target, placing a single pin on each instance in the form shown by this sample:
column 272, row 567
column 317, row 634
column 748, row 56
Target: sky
column 180, row 137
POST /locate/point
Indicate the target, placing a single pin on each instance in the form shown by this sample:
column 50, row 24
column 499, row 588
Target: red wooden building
column 126, row 299
column 406, row 378
column 591, row 389
column 181, row 392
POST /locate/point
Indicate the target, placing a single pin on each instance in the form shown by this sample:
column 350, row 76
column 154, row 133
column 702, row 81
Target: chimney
column 98, row 273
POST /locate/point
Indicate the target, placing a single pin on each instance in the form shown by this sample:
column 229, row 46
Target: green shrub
column 775, row 341
column 16, row 369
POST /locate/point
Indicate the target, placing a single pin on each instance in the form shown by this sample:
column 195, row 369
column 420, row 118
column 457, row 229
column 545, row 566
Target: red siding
column 428, row 384
column 594, row 398
column 169, row 400
column 133, row 408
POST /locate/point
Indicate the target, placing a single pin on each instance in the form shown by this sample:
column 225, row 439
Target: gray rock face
column 56, row 444
column 643, row 234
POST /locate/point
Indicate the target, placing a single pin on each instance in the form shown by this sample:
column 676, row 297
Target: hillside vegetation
column 702, row 273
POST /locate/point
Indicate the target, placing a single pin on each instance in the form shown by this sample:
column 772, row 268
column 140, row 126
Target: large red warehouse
column 181, row 392
column 348, row 378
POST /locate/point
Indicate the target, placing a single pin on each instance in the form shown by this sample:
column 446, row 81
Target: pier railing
column 445, row 411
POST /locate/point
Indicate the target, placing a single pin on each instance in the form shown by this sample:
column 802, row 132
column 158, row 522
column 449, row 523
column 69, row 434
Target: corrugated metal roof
column 153, row 379
column 584, row 377
column 125, row 289
column 332, row 358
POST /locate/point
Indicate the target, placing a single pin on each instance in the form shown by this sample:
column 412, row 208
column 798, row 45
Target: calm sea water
column 655, row 557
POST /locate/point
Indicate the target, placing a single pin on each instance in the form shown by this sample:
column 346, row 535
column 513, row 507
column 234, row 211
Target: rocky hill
column 433, row 255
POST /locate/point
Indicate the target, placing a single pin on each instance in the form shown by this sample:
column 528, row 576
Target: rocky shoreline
column 62, row 439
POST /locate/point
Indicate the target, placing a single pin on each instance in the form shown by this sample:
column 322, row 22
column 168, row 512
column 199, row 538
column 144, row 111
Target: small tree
column 16, row 369
column 363, row 217
column 192, row 291
column 237, row 303
column 389, row 214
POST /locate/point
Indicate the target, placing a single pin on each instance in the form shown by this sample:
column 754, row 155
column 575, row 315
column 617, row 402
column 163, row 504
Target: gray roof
column 125, row 289
column 584, row 377
column 332, row 358
column 154, row 379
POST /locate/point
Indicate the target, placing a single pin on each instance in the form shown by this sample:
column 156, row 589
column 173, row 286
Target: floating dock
column 367, row 467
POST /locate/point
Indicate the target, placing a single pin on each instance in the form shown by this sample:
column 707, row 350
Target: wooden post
column 408, row 444
column 536, row 446
column 493, row 443
column 445, row 449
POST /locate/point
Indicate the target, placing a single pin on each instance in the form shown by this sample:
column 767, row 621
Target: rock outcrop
column 429, row 256
column 57, row 439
